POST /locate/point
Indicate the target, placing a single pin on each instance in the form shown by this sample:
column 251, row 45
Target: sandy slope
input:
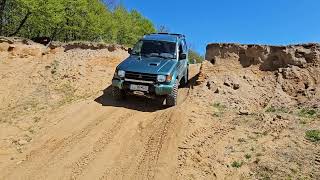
column 97, row 139
column 90, row 137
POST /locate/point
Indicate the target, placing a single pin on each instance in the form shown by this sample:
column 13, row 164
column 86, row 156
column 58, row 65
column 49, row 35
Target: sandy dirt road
column 103, row 139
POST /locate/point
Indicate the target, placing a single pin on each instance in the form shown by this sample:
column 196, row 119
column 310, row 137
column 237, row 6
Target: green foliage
column 247, row 156
column 218, row 109
column 308, row 113
column 236, row 164
column 219, row 106
column 313, row 135
column 272, row 109
column 73, row 20
column 195, row 56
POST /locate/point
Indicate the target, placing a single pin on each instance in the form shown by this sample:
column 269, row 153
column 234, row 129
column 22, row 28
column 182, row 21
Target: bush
column 236, row 164
column 247, row 156
column 313, row 135
column 308, row 113
column 195, row 56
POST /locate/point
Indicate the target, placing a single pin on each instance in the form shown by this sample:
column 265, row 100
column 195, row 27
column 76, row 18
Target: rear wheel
column 118, row 94
column 172, row 98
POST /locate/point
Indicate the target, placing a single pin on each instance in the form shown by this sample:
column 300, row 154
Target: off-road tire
column 185, row 79
column 118, row 94
column 172, row 98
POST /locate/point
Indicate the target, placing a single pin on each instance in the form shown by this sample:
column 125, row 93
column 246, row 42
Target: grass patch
column 247, row 156
column 54, row 66
column 308, row 113
column 303, row 121
column 219, row 106
column 237, row 164
column 277, row 110
column 68, row 94
column 271, row 109
column 219, row 109
column 313, row 135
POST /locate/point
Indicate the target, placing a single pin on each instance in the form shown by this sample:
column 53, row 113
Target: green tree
column 72, row 20
column 195, row 56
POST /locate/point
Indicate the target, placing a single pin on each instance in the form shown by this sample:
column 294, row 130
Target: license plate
column 143, row 88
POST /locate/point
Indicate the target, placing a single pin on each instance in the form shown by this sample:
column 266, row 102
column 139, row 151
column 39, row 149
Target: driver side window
column 181, row 47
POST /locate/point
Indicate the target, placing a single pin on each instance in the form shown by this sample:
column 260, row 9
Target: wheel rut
column 316, row 164
column 54, row 150
column 79, row 166
column 200, row 144
column 149, row 158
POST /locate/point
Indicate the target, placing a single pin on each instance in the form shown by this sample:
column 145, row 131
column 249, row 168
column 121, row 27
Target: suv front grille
column 141, row 76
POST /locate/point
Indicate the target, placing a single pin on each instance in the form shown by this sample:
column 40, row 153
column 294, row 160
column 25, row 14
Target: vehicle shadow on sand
column 130, row 102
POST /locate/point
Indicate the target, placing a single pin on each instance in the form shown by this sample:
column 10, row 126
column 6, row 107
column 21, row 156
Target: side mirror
column 183, row 56
column 130, row 51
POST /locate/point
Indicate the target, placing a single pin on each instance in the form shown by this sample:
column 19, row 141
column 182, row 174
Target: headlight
column 161, row 78
column 121, row 73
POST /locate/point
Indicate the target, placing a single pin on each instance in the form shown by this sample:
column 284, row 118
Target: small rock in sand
column 22, row 142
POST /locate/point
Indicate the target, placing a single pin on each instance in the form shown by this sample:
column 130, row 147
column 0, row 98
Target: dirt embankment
column 267, row 57
column 36, row 81
column 262, row 102
column 294, row 69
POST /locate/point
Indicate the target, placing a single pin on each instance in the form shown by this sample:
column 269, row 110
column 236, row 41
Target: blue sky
column 242, row 21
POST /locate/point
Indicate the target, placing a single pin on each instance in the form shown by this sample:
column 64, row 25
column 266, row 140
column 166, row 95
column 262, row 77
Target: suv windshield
column 161, row 49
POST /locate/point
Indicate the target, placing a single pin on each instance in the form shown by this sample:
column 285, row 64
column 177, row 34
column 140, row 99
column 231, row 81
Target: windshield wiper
column 139, row 54
column 164, row 57
column 150, row 55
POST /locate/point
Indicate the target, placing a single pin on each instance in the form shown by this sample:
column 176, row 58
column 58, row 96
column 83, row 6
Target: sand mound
column 35, row 80
column 256, row 104
column 260, row 73
column 268, row 57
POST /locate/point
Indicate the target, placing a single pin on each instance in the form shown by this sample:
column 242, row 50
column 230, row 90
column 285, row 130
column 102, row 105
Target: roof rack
column 174, row 34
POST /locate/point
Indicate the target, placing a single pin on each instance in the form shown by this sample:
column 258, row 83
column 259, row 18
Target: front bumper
column 154, row 89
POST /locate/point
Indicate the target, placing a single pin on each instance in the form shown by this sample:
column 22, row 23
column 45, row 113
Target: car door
column 180, row 62
column 183, row 63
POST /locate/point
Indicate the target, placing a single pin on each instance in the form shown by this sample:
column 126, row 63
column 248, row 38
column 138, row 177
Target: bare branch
column 163, row 29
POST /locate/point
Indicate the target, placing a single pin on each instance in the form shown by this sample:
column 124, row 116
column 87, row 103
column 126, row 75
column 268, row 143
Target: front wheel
column 118, row 94
column 185, row 79
column 172, row 98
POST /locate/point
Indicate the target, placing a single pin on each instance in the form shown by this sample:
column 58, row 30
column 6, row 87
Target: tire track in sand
column 130, row 168
column 201, row 144
column 41, row 158
column 80, row 165
column 149, row 159
column 316, row 164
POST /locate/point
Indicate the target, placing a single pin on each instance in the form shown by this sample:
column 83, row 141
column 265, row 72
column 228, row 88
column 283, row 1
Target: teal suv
column 157, row 65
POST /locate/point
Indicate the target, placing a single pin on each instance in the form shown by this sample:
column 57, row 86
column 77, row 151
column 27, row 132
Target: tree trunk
column 2, row 7
column 21, row 24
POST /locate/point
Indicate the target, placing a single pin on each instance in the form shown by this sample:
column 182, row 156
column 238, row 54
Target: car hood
column 149, row 65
